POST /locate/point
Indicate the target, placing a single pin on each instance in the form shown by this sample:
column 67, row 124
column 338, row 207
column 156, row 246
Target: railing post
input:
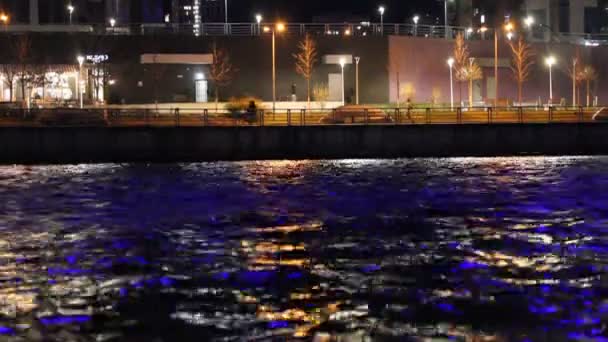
column 333, row 115
column 550, row 113
column 261, row 117
column 428, row 115
column 397, row 116
column 366, row 114
column 176, row 112
column 581, row 114
column 205, row 117
column 459, row 115
column 489, row 115
column 289, row 117
column 302, row 117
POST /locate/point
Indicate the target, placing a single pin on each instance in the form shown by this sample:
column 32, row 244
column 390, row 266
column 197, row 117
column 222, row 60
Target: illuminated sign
column 97, row 58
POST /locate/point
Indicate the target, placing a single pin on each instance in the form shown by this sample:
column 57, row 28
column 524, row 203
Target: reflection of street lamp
column 71, row 10
column 381, row 10
column 451, row 64
column 357, row 60
column 342, row 63
column 550, row 63
column 279, row 27
column 80, row 60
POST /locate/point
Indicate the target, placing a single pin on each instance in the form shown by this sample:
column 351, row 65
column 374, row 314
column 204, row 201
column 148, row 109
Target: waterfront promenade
column 188, row 116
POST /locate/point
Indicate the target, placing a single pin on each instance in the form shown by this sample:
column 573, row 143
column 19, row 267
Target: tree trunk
column 308, row 92
column 519, row 92
column 471, row 93
column 217, row 97
column 588, row 98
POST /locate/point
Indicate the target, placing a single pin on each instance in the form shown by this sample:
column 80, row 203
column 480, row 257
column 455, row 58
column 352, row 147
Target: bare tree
column 471, row 73
column 22, row 50
column 461, row 61
column 10, row 72
column 587, row 74
column 306, row 59
column 521, row 64
column 222, row 71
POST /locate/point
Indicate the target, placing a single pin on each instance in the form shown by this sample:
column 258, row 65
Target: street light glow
column 451, row 62
column 70, row 8
column 112, row 22
column 266, row 29
column 342, row 62
column 509, row 27
column 416, row 19
column 280, row 27
column 258, row 18
column 529, row 21
column 4, row 18
column 550, row 61
column 80, row 60
column 381, row 10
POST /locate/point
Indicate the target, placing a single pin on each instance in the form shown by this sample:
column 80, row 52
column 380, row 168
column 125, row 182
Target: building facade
column 570, row 16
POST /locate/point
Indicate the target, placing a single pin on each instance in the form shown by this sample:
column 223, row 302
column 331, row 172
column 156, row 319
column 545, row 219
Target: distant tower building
column 571, row 16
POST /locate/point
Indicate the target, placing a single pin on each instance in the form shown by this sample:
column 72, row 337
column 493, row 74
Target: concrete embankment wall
column 84, row 145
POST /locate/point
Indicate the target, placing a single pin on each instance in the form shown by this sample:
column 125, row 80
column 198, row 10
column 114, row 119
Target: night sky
column 305, row 10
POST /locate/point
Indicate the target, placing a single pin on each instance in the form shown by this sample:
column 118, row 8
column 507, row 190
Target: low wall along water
column 170, row 144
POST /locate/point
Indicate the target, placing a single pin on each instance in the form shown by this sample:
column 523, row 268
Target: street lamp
column 226, row 11
column 529, row 21
column 445, row 16
column 342, row 64
column 550, row 63
column 71, row 10
column 357, row 60
column 112, row 22
column 279, row 27
column 508, row 27
column 80, row 60
column 451, row 64
column 4, row 19
column 258, row 19
column 416, row 19
column 381, row 10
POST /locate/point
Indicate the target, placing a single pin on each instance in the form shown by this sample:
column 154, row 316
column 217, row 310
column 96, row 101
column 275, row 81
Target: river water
column 497, row 249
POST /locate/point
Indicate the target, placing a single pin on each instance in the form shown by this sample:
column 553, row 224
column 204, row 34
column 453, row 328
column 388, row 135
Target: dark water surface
column 506, row 249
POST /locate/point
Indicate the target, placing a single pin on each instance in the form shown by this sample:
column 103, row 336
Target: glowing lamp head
column 280, row 27
column 529, row 21
column 381, row 10
column 4, row 18
column 258, row 18
column 199, row 76
column 347, row 32
column 70, row 8
column 550, row 61
column 112, row 22
column 509, row 27
column 342, row 62
column 416, row 19
column 510, row 35
column 451, row 62
column 483, row 29
column 80, row 60
column 266, row 29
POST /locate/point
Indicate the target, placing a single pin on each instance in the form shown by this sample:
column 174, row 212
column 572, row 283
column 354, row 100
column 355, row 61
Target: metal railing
column 195, row 117
column 254, row 29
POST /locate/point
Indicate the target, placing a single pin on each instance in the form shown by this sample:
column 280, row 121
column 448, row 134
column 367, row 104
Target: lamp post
column 451, row 64
column 574, row 82
column 80, row 60
column 342, row 64
column 258, row 20
column 416, row 19
column 509, row 29
column 550, row 62
column 226, row 11
column 71, row 11
column 112, row 22
column 279, row 27
column 357, row 60
column 381, row 10
column 445, row 17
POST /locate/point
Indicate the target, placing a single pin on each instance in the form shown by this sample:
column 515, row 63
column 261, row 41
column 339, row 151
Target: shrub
column 237, row 107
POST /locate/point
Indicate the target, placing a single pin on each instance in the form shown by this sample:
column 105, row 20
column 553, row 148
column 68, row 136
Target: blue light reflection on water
column 505, row 248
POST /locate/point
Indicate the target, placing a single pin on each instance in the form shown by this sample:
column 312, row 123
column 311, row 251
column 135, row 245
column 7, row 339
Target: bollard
column 489, row 115
column 366, row 116
column 397, row 116
column 550, row 113
column 581, row 114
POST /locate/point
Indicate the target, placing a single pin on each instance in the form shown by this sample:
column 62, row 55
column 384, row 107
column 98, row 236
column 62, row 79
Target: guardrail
column 327, row 29
column 136, row 117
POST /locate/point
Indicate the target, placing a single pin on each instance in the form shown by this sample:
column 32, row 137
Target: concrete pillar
column 34, row 17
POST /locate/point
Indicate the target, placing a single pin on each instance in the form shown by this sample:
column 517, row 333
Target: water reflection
column 505, row 249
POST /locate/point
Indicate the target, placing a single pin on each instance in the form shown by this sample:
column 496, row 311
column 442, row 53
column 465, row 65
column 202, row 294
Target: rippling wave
column 465, row 249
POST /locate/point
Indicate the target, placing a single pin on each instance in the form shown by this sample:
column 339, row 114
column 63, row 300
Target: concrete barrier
column 171, row 144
